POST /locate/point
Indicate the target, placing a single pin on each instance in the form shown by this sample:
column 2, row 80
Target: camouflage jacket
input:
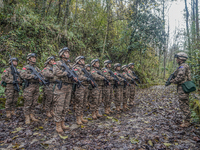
column 98, row 78
column 105, row 72
column 126, row 77
column 131, row 74
column 120, row 79
column 60, row 74
column 81, row 75
column 182, row 74
column 26, row 73
column 47, row 72
column 8, row 77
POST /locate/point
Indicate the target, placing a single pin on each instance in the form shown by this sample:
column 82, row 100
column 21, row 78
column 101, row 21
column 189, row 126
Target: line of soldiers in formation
column 66, row 83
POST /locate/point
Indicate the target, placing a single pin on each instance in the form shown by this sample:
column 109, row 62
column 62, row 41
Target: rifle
column 15, row 74
column 125, row 81
column 39, row 75
column 88, row 75
column 170, row 78
column 132, row 80
column 106, row 80
column 115, row 78
column 136, row 77
column 71, row 74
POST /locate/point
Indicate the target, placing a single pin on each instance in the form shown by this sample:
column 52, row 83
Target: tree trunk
column 187, row 27
column 197, row 32
column 48, row 7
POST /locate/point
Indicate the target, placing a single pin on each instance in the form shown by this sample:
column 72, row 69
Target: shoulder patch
column 4, row 71
column 105, row 71
column 54, row 63
column 24, row 68
column 45, row 68
column 75, row 69
column 129, row 72
column 124, row 73
column 181, row 67
column 115, row 73
column 93, row 71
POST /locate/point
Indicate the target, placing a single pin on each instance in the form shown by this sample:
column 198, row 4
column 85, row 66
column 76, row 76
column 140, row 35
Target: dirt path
column 152, row 124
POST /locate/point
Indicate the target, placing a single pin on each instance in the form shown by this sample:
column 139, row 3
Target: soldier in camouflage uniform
column 126, row 90
column 62, row 91
column 108, row 89
column 182, row 74
column 31, row 92
column 132, row 87
column 87, row 90
column 96, row 94
column 47, row 72
column 11, row 94
column 80, row 90
column 118, row 91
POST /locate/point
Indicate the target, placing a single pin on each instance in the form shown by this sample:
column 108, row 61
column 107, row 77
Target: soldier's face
column 132, row 66
column 118, row 68
column 109, row 65
column 88, row 68
column 51, row 62
column 82, row 62
column 97, row 64
column 33, row 59
column 15, row 63
column 66, row 54
column 178, row 60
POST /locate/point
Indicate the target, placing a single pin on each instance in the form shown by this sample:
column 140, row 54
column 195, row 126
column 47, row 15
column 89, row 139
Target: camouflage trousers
column 48, row 102
column 11, row 98
column 94, row 99
column 100, row 98
column 79, row 98
column 132, row 93
column 126, row 93
column 86, row 96
column 184, row 103
column 62, row 99
column 31, row 94
column 118, row 94
column 107, row 96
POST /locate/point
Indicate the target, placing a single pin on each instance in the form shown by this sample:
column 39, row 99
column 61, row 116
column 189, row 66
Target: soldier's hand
column 118, row 83
column 92, row 83
column 40, row 80
column 109, row 84
column 76, row 79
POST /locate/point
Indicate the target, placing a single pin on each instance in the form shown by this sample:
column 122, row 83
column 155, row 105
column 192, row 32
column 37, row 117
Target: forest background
column 120, row 30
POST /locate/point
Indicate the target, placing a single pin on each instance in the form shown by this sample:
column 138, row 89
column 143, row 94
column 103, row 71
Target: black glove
column 35, row 77
column 69, row 76
column 88, row 80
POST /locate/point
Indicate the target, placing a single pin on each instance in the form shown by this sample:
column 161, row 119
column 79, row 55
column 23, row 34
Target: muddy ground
column 153, row 123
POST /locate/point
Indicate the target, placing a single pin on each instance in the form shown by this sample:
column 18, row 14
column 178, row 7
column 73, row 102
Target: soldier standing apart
column 10, row 92
column 118, row 91
column 80, row 90
column 126, row 90
column 132, row 87
column 47, row 72
column 96, row 93
column 182, row 74
column 62, row 91
column 31, row 91
column 108, row 89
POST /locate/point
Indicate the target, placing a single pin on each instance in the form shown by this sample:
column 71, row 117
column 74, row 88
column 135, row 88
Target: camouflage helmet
column 94, row 61
column 131, row 64
column 13, row 59
column 117, row 65
column 106, row 62
column 181, row 56
column 31, row 55
column 87, row 65
column 79, row 58
column 49, row 59
column 62, row 51
column 124, row 67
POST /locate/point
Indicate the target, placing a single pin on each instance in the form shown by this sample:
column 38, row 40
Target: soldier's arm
column 80, row 75
column 96, row 76
column 47, row 73
column 6, row 77
column 180, row 75
column 59, row 73
column 126, row 76
column 107, row 75
column 25, row 74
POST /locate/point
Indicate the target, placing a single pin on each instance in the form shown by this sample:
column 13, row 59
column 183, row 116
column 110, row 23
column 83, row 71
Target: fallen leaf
column 41, row 127
column 63, row 137
column 167, row 144
column 15, row 137
column 134, row 140
column 17, row 130
column 150, row 143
